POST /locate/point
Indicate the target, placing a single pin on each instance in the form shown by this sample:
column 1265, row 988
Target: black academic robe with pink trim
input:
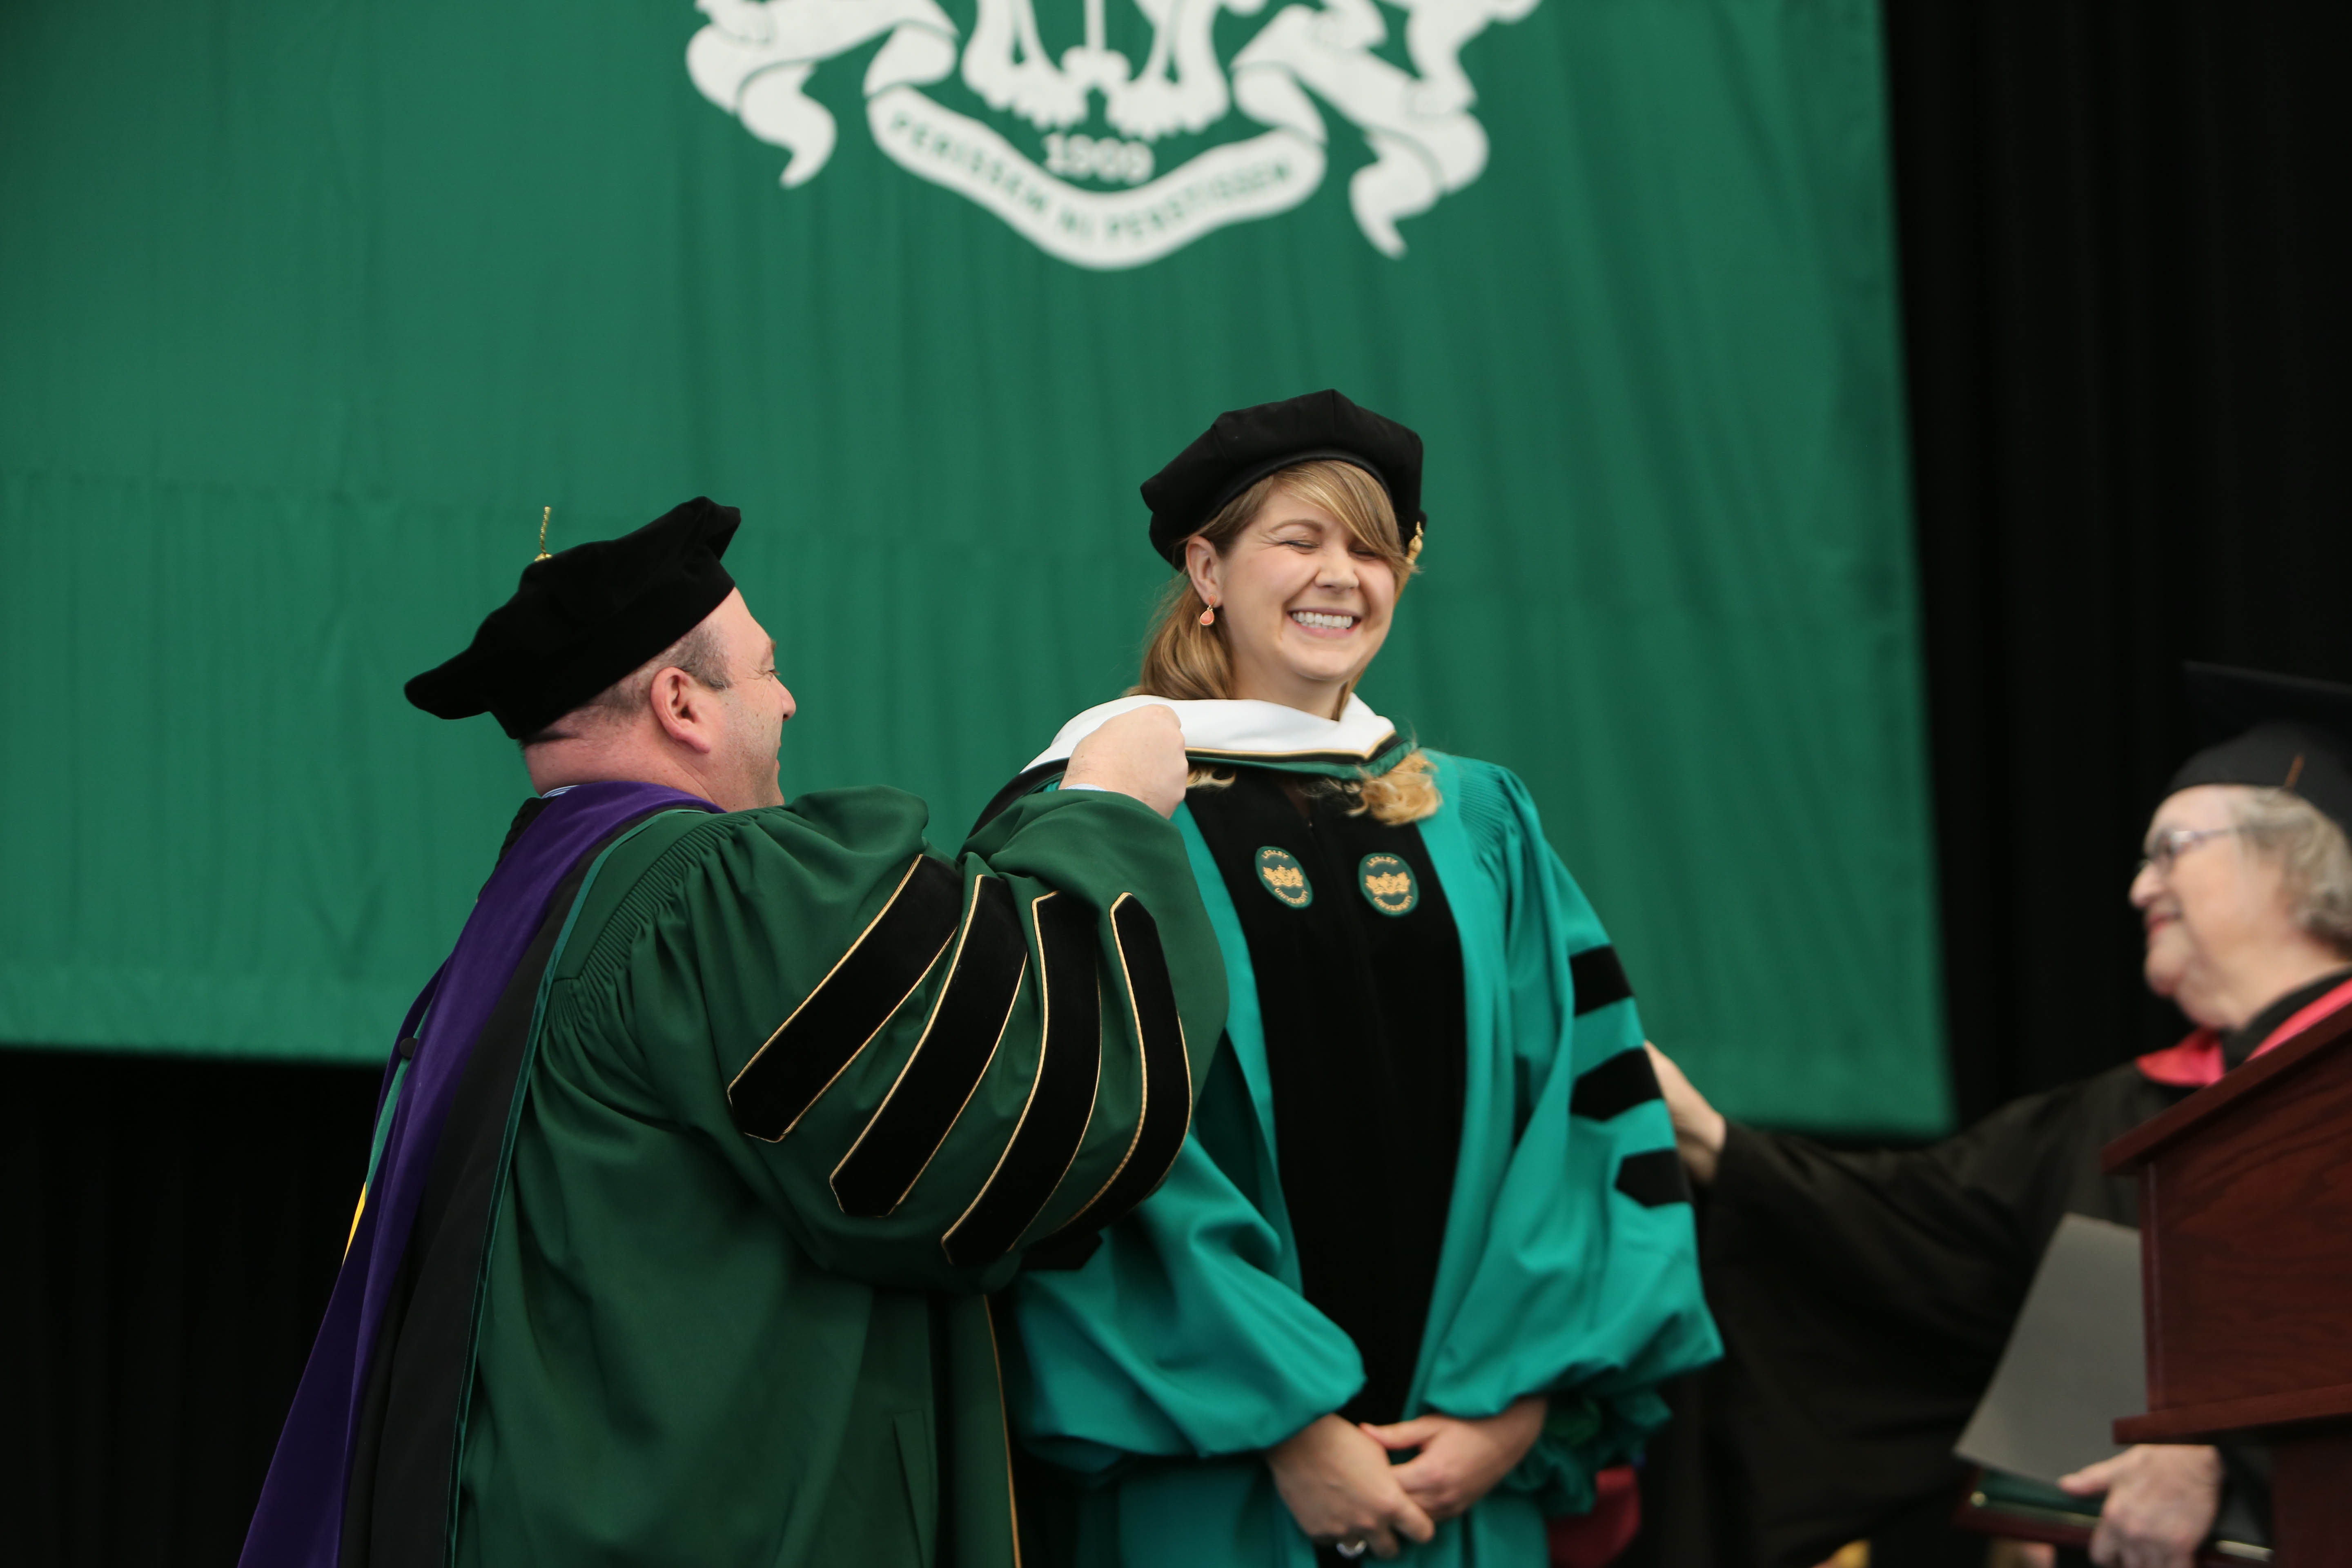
column 1865, row 1299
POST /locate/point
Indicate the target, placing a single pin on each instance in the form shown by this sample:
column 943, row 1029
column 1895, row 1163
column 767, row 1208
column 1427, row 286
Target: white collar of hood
column 1239, row 730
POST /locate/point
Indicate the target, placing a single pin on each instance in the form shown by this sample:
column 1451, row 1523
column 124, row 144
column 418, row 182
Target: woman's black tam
column 1247, row 444
column 583, row 617
column 2273, row 731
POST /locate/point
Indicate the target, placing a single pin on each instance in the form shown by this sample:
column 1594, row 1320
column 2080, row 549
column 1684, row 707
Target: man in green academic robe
column 694, row 1161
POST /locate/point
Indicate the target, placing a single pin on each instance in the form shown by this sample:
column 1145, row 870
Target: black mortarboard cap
column 2273, row 731
column 583, row 617
column 1247, row 444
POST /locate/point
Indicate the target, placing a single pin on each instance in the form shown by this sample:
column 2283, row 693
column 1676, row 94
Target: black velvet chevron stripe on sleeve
column 957, row 1045
column 850, row 1005
column 1167, row 1111
column 1598, row 979
column 1654, row 1178
column 1616, row 1086
column 1053, row 1124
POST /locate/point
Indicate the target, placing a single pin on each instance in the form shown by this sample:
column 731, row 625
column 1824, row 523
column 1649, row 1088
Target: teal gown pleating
column 1151, row 1378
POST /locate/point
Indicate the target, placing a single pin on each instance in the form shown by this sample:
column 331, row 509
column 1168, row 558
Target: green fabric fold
column 1160, row 1368
column 687, row 1350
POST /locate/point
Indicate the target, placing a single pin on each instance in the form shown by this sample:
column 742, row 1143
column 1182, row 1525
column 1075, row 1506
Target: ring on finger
column 1352, row 1548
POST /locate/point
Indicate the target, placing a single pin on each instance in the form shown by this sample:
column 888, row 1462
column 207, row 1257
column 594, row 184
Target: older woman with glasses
column 1865, row 1298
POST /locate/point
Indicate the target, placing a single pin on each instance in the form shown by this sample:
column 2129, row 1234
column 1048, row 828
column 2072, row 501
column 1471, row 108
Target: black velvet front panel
column 1365, row 1043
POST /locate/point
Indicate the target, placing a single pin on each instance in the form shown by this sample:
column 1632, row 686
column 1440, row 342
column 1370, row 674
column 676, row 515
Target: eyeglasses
column 2163, row 848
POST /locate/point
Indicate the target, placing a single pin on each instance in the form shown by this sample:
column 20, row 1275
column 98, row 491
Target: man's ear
column 681, row 706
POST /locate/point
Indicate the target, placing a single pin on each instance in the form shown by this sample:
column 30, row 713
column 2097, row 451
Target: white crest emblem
column 1101, row 200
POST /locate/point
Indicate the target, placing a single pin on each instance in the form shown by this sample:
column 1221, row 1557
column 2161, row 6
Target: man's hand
column 1698, row 1126
column 1460, row 1461
column 1339, row 1485
column 2161, row 1499
column 1139, row 753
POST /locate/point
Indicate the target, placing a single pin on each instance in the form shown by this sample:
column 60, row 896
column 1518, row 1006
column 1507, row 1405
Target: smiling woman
column 2245, row 892
column 1303, row 567
column 1307, row 561
column 1426, row 1252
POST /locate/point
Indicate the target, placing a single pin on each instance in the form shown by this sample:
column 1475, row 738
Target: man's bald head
column 697, row 653
column 705, row 715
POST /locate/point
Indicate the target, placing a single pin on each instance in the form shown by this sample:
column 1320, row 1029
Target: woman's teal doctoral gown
column 1155, row 1373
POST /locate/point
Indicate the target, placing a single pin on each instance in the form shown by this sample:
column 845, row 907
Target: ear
column 681, row 706
column 1203, row 564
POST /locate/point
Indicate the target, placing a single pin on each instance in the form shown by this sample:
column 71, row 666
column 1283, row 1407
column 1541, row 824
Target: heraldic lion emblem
column 1074, row 151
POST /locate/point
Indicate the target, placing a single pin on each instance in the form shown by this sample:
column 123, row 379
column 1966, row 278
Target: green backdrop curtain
column 306, row 310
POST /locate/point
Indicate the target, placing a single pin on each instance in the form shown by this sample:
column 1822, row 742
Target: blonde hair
column 2312, row 856
column 1186, row 661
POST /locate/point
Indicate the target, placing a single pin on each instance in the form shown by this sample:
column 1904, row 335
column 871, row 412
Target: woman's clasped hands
column 1341, row 1483
column 1457, row 1462
column 1340, row 1486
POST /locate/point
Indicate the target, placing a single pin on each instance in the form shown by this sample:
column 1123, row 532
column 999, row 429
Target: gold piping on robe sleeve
column 899, row 906
column 1181, row 1090
column 864, row 1176
column 1058, row 1036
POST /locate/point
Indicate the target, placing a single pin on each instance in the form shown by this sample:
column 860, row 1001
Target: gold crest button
column 1283, row 877
column 1387, row 883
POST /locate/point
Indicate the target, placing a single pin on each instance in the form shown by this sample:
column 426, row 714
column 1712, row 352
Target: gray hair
column 697, row 653
column 2314, row 854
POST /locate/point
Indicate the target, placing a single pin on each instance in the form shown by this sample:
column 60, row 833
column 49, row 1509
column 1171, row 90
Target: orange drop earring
column 1209, row 616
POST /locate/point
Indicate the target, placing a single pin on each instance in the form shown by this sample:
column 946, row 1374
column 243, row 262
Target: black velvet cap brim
column 1244, row 444
column 2271, row 732
column 583, row 617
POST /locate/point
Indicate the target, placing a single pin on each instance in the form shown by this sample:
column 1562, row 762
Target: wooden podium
column 2246, row 1260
